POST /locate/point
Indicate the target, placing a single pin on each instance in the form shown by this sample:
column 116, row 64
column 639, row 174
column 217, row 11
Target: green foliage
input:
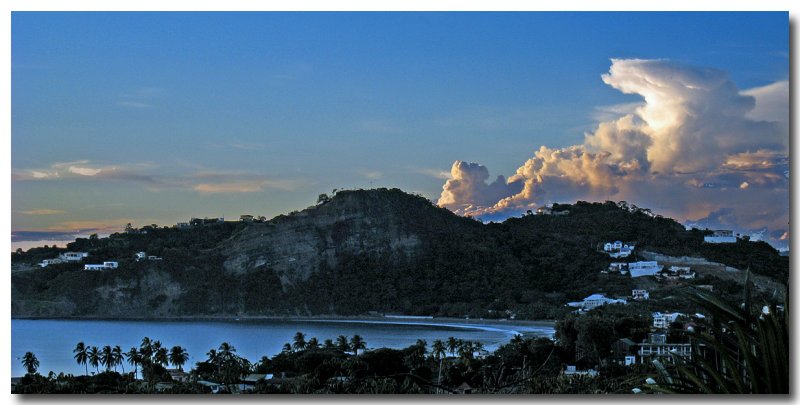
column 528, row 266
column 746, row 352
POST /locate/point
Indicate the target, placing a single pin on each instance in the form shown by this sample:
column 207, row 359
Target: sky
column 159, row 117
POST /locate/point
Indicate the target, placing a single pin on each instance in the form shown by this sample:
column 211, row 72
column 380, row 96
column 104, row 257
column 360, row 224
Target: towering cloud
column 694, row 146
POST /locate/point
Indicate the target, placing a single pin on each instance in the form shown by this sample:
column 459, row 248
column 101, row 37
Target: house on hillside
column 656, row 346
column 677, row 273
column 593, row 301
column 642, row 269
column 640, row 295
column 662, row 320
column 104, row 266
column 47, row 262
column 572, row 371
column 623, row 352
column 246, row 218
column 617, row 267
column 617, row 249
column 721, row 236
column 73, row 256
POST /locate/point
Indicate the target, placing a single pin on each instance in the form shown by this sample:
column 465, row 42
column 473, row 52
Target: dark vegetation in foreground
column 738, row 350
column 387, row 252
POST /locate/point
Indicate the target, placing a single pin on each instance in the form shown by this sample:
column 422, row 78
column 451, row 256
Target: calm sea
column 53, row 340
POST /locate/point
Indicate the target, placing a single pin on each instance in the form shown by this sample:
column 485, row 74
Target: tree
column 30, row 362
column 322, row 199
column 438, row 349
column 118, row 357
column 299, row 341
column 357, row 342
column 312, row 344
column 81, row 355
column 226, row 351
column 328, row 344
column 134, row 359
column 178, row 356
column 106, row 357
column 146, row 348
column 342, row 343
column 161, row 357
column 94, row 358
column 452, row 345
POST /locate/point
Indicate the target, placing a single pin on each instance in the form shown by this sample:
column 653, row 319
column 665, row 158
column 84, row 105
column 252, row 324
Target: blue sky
column 156, row 117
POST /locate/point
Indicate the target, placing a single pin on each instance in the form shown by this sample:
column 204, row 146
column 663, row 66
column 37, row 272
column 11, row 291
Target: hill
column 363, row 251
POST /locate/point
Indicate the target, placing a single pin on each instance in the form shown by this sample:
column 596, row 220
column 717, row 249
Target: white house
column 618, row 249
column 721, row 236
column 73, row 256
column 662, row 320
column 144, row 256
column 641, row 269
column 595, row 300
column 678, row 272
column 104, row 266
column 656, row 346
column 640, row 295
column 47, row 262
column 573, row 370
column 617, row 266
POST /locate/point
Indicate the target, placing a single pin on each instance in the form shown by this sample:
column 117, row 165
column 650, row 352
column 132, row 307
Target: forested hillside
column 366, row 250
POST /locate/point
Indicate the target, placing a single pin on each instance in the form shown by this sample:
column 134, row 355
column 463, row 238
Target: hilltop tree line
column 528, row 266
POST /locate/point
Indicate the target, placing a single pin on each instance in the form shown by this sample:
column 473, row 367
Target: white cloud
column 694, row 145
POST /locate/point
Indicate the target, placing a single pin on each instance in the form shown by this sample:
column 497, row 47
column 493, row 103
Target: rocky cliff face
column 356, row 223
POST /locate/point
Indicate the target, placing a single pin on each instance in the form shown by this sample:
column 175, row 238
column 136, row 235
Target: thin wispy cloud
column 42, row 211
column 202, row 180
column 435, row 173
column 139, row 98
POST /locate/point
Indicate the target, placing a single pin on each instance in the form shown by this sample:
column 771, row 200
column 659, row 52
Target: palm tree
column 422, row 345
column 312, row 344
column 134, row 359
column 357, row 342
column 328, row 344
column 287, row 348
column 452, row 345
column 30, row 362
column 156, row 345
column 106, row 357
column 226, row 350
column 118, row 357
column 146, row 348
column 178, row 356
column 161, row 357
column 94, row 358
column 342, row 343
column 299, row 341
column 438, row 349
column 81, row 355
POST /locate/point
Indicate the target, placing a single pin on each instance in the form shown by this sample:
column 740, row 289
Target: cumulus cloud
column 467, row 188
column 693, row 145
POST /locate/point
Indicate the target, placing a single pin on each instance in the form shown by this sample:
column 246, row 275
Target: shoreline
column 233, row 318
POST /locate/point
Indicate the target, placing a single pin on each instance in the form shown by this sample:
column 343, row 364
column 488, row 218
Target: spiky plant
column 744, row 352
